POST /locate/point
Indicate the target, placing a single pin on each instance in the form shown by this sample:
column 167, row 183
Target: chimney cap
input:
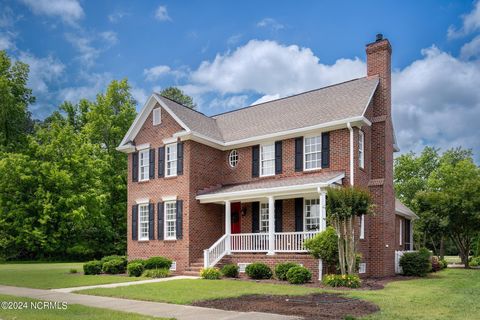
column 379, row 37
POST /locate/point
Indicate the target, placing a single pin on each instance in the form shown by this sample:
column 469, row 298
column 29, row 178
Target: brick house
column 249, row 185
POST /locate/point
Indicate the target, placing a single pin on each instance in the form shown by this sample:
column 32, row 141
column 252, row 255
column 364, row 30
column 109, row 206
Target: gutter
column 352, row 171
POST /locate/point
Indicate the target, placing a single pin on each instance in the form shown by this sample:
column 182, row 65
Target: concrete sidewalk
column 123, row 284
column 155, row 309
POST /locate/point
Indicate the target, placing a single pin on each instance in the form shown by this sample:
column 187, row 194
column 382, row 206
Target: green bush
column 299, row 275
column 281, row 270
column 135, row 269
column 324, row 246
column 157, row 263
column 230, row 271
column 141, row 261
column 156, row 273
column 258, row 270
column 80, row 253
column 73, row 270
column 339, row 280
column 114, row 257
column 210, row 273
column 416, row 263
column 443, row 263
column 475, row 262
column 114, row 266
column 92, row 267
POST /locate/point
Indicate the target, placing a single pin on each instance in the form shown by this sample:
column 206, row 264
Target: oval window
column 233, row 158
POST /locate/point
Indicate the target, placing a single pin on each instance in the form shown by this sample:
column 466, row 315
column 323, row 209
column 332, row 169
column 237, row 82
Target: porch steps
column 194, row 268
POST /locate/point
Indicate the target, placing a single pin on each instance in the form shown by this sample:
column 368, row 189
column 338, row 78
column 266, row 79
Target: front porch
column 298, row 207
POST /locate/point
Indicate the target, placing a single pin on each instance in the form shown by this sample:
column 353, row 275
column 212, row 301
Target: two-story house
column 249, row 185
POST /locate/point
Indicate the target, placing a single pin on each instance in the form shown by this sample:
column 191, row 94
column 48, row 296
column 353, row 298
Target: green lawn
column 450, row 294
column 72, row 312
column 52, row 275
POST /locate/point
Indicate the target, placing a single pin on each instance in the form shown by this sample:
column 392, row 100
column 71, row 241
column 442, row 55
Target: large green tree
column 176, row 94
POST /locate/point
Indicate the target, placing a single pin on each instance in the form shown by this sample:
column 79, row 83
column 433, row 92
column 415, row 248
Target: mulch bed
column 310, row 307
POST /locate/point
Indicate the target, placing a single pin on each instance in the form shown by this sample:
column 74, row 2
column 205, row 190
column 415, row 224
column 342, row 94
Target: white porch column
column 228, row 225
column 323, row 209
column 271, row 226
column 411, row 234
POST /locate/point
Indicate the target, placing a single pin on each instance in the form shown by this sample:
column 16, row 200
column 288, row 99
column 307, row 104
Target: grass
column 450, row 294
column 52, row 275
column 72, row 312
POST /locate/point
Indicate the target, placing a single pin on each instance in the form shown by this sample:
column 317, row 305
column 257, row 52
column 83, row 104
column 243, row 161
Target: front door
column 235, row 218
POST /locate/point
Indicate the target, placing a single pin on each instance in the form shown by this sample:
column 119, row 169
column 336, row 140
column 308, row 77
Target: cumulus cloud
column 43, row 71
column 140, row 95
column 471, row 49
column 270, row 23
column 6, row 41
column 470, row 23
column 90, row 46
column 156, row 72
column 69, row 11
column 109, row 37
column 266, row 98
column 161, row 14
column 222, row 104
column 93, row 84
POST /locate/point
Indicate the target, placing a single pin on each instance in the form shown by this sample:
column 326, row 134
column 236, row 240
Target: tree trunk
column 442, row 247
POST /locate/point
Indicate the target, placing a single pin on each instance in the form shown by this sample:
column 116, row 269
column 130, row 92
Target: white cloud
column 156, row 72
column 471, row 49
column 69, row 11
column 6, row 42
column 470, row 23
column 43, row 71
column 94, row 83
column 234, row 39
column 110, row 37
column 83, row 44
column 139, row 95
column 161, row 14
column 270, row 23
column 266, row 98
column 221, row 104
column 117, row 16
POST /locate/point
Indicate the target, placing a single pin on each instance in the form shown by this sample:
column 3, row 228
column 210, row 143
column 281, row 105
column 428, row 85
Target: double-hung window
column 171, row 157
column 263, row 217
column 143, row 221
column 312, row 149
column 157, row 116
column 170, row 220
column 312, row 214
column 144, row 165
column 361, row 153
column 267, row 160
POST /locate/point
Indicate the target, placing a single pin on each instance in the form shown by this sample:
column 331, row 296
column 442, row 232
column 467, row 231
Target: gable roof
column 403, row 210
column 320, row 108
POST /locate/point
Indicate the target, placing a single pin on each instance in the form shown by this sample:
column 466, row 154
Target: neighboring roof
column 273, row 186
column 403, row 210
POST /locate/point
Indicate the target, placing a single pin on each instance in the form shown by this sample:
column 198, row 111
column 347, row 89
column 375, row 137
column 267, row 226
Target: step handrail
column 216, row 252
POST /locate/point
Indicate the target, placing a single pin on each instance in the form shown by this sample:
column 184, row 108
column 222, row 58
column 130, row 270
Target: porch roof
column 404, row 211
column 279, row 187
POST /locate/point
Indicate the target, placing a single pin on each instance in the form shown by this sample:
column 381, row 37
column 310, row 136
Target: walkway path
column 156, row 309
column 123, row 284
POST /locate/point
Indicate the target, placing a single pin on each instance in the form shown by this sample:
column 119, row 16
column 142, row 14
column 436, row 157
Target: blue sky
column 230, row 54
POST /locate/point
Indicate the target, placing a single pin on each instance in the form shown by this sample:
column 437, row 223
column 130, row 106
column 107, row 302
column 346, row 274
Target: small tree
column 177, row 95
column 324, row 246
column 344, row 205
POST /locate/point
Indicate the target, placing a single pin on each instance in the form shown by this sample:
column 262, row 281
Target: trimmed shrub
column 416, row 263
column 114, row 257
column 156, row 273
column 73, row 271
column 141, row 261
column 157, row 263
column 258, row 270
column 230, row 271
column 324, row 246
column 210, row 273
column 281, row 270
column 135, row 269
column 338, row 280
column 114, row 266
column 298, row 275
column 92, row 267
column 475, row 262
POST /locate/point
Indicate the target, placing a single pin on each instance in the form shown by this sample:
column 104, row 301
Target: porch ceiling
column 277, row 187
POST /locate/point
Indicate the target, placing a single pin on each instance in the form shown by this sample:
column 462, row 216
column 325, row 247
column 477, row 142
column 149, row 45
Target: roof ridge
column 287, row 97
column 182, row 105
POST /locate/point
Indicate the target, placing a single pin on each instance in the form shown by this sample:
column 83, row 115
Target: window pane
column 267, row 157
column 312, row 214
column 264, row 217
column 144, row 164
column 171, row 168
column 312, row 151
column 170, row 220
column 143, row 221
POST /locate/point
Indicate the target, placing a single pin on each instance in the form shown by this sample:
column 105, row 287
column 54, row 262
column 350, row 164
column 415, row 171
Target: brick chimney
column 382, row 224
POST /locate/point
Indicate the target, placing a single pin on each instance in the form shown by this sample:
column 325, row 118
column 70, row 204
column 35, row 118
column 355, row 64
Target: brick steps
column 194, row 268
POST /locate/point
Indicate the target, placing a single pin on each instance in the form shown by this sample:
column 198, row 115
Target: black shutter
column 151, row 221
column 179, row 158
column 255, row 160
column 161, row 162
column 278, row 157
column 135, row 166
column 298, row 214
column 179, row 225
column 152, row 164
column 160, row 221
column 135, row 222
column 255, row 216
column 278, row 215
column 299, row 154
column 325, row 149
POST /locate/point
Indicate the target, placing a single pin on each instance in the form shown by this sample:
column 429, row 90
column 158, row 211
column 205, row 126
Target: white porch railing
column 292, row 241
column 398, row 255
column 249, row 242
column 216, row 252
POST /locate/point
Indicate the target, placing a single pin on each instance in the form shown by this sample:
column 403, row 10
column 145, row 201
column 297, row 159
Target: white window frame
column 144, row 163
column 263, row 160
column 157, row 116
column 362, row 226
column 400, row 236
column 264, row 210
column 361, row 149
column 233, row 158
column 308, row 201
column 319, row 136
column 143, row 208
column 171, row 162
column 168, row 208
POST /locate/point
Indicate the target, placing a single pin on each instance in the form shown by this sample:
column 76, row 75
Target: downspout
column 352, row 171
